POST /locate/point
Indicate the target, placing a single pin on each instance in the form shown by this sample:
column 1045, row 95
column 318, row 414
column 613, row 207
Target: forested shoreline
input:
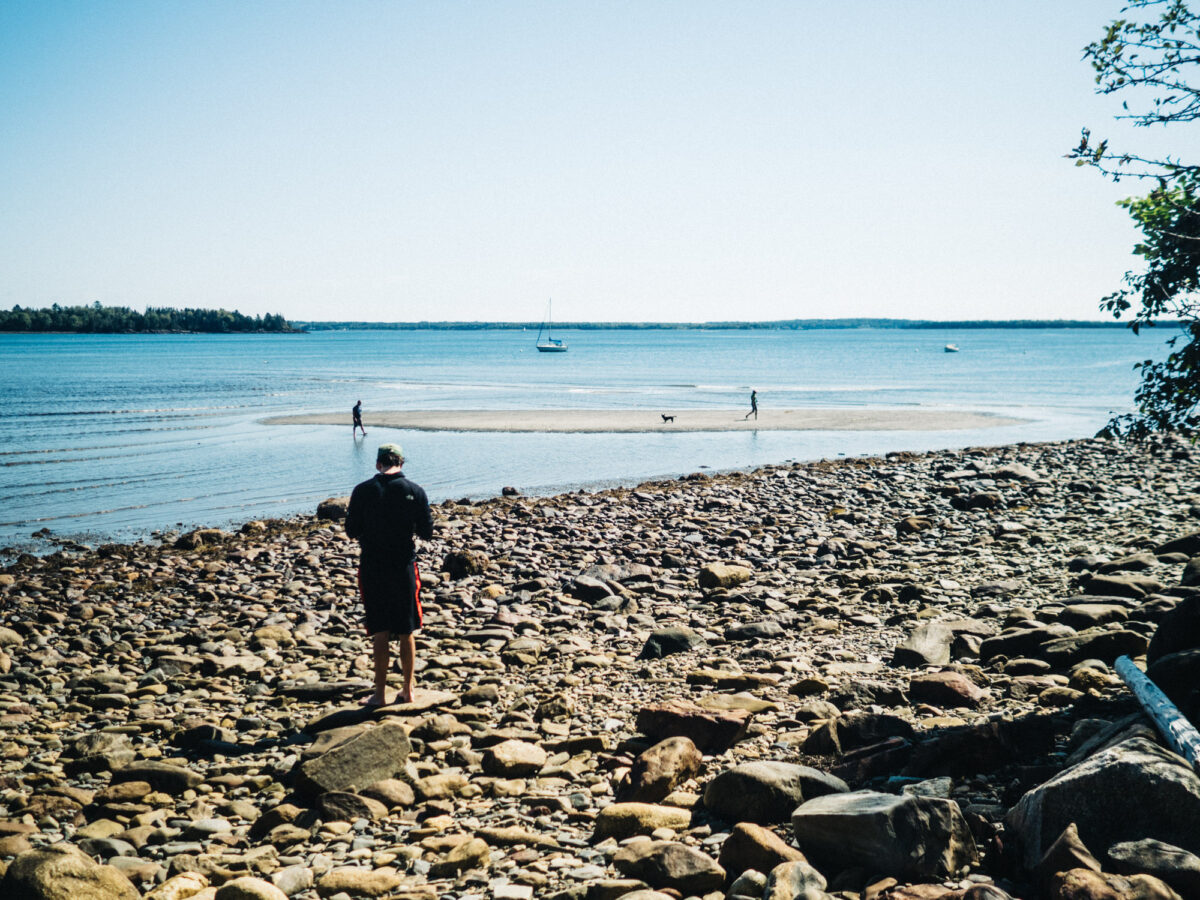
column 97, row 319
column 777, row 325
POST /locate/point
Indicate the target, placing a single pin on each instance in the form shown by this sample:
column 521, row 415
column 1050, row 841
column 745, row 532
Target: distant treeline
column 785, row 325
column 122, row 320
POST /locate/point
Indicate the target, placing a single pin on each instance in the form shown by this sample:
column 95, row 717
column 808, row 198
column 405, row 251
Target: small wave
column 74, row 515
column 164, row 411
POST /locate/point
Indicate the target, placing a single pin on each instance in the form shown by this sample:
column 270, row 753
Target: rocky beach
column 871, row 679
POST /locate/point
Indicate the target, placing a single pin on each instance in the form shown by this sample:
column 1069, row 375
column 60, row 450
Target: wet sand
column 636, row 420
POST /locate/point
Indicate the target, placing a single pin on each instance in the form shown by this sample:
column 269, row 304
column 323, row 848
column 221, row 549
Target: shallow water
column 115, row 436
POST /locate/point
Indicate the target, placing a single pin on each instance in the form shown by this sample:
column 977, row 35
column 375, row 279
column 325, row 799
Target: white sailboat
column 550, row 344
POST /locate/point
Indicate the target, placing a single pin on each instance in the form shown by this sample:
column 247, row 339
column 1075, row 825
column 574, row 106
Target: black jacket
column 385, row 512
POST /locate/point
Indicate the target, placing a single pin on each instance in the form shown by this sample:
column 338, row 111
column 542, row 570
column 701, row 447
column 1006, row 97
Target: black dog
column 667, row 418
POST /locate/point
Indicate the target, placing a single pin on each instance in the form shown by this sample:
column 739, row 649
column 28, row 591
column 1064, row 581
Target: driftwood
column 1174, row 726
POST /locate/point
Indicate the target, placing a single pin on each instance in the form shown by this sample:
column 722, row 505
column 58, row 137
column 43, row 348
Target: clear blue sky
column 633, row 160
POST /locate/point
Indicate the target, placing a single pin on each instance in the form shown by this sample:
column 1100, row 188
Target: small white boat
column 951, row 348
column 550, row 344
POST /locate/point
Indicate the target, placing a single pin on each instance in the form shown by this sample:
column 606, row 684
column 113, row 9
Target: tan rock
column 249, row 888
column 440, row 786
column 183, row 886
column 63, row 872
column 513, row 759
column 723, row 575
column 472, row 854
column 359, row 882
column 623, row 820
column 660, row 769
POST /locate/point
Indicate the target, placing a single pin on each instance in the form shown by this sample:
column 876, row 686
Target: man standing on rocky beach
column 386, row 513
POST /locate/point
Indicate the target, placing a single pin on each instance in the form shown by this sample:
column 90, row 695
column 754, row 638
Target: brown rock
column 712, row 731
column 751, row 846
column 946, row 689
column 1066, row 853
column 722, row 575
column 658, row 771
column 63, row 872
column 390, row 792
column 472, row 854
column 1081, row 884
column 249, row 888
column 359, row 882
column 623, row 820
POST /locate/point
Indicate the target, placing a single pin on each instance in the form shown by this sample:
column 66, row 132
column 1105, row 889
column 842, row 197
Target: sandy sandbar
column 636, row 420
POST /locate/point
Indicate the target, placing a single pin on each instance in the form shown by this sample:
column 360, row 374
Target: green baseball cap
column 389, row 450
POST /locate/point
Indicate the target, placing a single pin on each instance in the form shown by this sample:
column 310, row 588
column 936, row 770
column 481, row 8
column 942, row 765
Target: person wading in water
column 753, row 407
column 357, row 413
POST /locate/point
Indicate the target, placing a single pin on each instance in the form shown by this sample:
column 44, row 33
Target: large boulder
column 1176, row 867
column 590, row 589
column 1084, row 884
column 906, row 836
column 722, row 575
column 461, row 564
column 946, row 689
column 1189, row 544
column 249, row 888
column 63, row 872
column 1178, row 630
column 666, row 864
column 795, row 880
column 178, row 887
column 927, row 645
column 624, row 820
column 1178, row 676
column 372, row 754
column 711, row 730
column 1119, row 794
column 100, row 751
column 861, row 729
column 1093, row 643
column 1126, row 585
column 659, row 770
column 359, row 881
column 333, row 509
column 343, row 806
column 513, row 759
column 751, row 846
column 666, row 641
column 1023, row 640
column 766, row 792
column 169, row 779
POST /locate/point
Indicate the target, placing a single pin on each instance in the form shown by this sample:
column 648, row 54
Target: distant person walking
column 386, row 513
column 357, row 413
column 753, row 407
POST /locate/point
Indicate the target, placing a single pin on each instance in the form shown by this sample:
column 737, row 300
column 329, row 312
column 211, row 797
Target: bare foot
column 373, row 701
column 406, row 696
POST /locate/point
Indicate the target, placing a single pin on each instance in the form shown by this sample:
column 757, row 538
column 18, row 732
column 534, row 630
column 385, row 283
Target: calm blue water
column 113, row 437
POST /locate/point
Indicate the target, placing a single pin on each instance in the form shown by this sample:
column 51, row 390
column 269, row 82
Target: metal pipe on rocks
column 1173, row 725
